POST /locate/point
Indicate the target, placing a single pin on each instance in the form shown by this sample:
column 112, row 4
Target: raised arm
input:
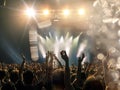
column 80, row 59
column 58, row 61
column 67, row 71
column 46, row 58
column 22, row 66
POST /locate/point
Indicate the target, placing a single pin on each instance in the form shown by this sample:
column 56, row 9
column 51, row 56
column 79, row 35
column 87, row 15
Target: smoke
column 104, row 24
column 11, row 52
column 58, row 43
column 104, row 28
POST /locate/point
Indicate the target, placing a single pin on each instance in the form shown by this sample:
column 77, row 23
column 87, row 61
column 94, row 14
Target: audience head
column 58, row 79
column 28, row 77
column 14, row 76
column 2, row 74
column 8, row 86
column 92, row 84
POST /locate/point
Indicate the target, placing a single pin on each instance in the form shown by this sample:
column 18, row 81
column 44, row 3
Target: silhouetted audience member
column 44, row 76
column 92, row 84
column 8, row 86
column 14, row 77
column 58, row 80
column 80, row 78
column 67, row 80
column 2, row 76
column 28, row 79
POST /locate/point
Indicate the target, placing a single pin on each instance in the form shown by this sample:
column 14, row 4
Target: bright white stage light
column 30, row 12
column 81, row 11
column 66, row 12
column 42, row 49
column 46, row 12
column 56, row 44
column 81, row 48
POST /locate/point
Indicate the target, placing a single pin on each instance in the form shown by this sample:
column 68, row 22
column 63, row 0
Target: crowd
column 43, row 76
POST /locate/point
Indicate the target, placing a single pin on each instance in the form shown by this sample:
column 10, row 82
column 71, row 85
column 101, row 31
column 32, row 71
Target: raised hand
column 23, row 57
column 82, row 57
column 64, row 55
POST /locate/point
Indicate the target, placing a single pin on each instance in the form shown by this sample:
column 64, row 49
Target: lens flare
column 30, row 12
column 81, row 11
column 66, row 12
column 46, row 12
column 112, row 49
column 100, row 56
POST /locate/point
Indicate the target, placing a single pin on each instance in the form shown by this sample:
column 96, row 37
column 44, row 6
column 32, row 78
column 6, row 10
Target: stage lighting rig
column 67, row 15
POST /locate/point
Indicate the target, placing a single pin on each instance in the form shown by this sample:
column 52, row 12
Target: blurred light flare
column 112, row 50
column 100, row 56
column 30, row 12
column 66, row 12
column 81, row 11
column 46, row 12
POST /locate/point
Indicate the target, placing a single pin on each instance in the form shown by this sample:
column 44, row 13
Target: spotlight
column 81, row 12
column 46, row 12
column 66, row 12
column 30, row 12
